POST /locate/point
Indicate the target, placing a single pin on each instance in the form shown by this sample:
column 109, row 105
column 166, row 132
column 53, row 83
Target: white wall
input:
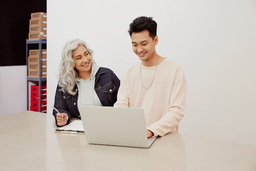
column 13, row 89
column 214, row 41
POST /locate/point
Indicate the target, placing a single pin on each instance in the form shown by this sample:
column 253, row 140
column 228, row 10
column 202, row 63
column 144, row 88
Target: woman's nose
column 85, row 59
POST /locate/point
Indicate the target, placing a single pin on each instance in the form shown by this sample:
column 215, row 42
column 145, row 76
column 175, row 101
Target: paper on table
column 73, row 126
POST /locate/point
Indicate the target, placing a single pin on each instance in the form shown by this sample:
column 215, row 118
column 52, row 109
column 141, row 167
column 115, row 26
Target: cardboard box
column 35, row 53
column 35, row 66
column 35, row 60
column 34, row 73
column 37, row 28
column 42, row 69
column 39, row 21
column 36, row 36
column 36, row 15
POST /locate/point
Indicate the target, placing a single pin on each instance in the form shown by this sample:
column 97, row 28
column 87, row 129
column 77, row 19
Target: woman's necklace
column 153, row 77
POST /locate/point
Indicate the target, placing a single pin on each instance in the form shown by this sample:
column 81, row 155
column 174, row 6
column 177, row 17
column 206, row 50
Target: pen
column 70, row 131
column 59, row 112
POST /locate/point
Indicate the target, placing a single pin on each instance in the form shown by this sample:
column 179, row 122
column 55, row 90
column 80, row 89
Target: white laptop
column 115, row 126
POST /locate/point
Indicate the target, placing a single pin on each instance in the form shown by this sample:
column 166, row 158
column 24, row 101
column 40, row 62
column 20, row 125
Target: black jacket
column 106, row 87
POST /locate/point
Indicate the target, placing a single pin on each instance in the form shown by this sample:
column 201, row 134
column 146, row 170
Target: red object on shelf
column 35, row 107
column 34, row 98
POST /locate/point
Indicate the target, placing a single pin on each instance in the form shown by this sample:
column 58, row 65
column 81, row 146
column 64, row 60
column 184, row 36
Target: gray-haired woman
column 82, row 83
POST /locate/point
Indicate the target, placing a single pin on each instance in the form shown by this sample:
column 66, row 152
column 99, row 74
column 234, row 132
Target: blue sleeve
column 61, row 104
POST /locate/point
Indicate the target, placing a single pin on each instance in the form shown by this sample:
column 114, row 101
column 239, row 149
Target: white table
column 28, row 142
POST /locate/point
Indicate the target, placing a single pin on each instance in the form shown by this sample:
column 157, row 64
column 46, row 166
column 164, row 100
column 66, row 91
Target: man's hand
column 62, row 119
column 150, row 133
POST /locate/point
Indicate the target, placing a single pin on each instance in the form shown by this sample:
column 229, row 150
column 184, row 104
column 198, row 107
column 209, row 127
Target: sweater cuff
column 152, row 130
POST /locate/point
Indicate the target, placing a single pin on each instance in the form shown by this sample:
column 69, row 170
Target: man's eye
column 77, row 58
column 86, row 54
column 144, row 44
column 134, row 45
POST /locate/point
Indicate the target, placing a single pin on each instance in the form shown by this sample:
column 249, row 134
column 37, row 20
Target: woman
column 82, row 83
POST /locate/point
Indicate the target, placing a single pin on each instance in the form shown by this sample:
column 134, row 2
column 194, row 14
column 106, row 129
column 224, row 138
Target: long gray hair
column 67, row 72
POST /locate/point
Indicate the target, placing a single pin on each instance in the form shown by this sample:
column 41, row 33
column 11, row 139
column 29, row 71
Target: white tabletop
column 28, row 142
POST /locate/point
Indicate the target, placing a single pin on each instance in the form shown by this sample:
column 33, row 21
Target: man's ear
column 156, row 40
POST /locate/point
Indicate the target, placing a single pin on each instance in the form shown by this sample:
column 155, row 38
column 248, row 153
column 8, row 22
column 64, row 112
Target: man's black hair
column 143, row 23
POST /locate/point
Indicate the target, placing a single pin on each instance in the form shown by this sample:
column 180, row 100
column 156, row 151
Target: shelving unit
column 35, row 44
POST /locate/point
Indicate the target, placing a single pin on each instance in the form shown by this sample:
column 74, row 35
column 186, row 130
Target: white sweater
column 163, row 103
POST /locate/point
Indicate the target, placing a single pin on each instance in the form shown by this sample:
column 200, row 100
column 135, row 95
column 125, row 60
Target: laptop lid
column 115, row 126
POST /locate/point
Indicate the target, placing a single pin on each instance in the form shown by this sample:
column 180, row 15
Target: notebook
column 115, row 126
column 74, row 127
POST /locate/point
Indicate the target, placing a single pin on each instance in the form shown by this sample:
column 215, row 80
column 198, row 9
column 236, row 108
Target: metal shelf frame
column 40, row 43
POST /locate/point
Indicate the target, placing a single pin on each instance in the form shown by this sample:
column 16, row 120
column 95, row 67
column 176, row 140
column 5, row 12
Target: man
column 156, row 84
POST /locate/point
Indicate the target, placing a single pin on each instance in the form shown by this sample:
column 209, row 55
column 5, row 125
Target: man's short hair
column 143, row 23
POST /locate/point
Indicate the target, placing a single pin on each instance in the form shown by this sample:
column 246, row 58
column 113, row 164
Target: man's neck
column 152, row 61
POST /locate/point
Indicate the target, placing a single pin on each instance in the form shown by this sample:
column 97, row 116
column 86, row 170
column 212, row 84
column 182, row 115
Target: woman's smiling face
column 83, row 60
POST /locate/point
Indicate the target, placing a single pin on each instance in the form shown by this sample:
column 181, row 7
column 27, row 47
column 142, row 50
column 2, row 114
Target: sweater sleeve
column 122, row 96
column 176, row 108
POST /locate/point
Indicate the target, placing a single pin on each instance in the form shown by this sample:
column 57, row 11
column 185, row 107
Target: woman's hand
column 62, row 119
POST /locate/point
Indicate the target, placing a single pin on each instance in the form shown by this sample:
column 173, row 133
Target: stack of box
column 38, row 26
column 33, row 63
column 34, row 103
